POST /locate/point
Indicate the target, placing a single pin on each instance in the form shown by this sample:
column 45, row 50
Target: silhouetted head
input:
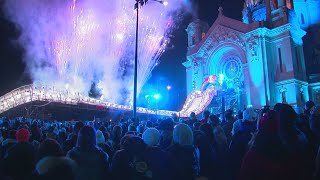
column 206, row 114
column 87, row 138
column 49, row 147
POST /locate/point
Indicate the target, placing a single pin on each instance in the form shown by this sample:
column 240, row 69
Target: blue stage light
column 157, row 96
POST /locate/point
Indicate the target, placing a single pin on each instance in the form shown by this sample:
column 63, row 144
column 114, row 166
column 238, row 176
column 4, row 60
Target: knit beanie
column 151, row 136
column 23, row 135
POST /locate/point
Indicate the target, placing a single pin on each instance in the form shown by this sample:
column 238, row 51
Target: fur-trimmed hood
column 8, row 141
column 50, row 162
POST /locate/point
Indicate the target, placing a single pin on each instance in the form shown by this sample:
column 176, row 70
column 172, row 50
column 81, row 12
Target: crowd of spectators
column 267, row 144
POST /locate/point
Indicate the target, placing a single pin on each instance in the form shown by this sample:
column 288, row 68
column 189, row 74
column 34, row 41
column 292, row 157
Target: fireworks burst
column 80, row 42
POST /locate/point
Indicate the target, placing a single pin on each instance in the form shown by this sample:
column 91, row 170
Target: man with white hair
column 186, row 161
column 247, row 123
column 151, row 137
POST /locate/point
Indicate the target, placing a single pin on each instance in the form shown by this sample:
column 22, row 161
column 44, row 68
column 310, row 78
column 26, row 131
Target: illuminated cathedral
column 261, row 60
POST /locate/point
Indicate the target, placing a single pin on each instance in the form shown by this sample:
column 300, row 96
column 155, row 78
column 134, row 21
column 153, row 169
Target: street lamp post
column 135, row 82
column 136, row 63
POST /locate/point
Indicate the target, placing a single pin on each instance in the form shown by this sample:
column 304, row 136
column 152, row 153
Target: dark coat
column 186, row 163
column 149, row 163
column 92, row 164
column 19, row 162
column 6, row 145
column 259, row 166
column 237, row 150
column 208, row 156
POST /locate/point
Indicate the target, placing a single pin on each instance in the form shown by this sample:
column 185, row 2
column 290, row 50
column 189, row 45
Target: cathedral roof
column 227, row 23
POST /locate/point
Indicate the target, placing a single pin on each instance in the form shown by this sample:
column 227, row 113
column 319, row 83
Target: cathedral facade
column 260, row 60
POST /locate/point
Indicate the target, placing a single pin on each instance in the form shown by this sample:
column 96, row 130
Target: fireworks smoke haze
column 71, row 44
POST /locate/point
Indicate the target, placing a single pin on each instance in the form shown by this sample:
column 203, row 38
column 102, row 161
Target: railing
column 30, row 93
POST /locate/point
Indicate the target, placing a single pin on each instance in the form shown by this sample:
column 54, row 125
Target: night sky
column 170, row 70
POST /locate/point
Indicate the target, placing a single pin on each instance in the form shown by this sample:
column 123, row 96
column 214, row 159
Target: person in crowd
column 315, row 124
column 220, row 148
column 51, row 163
column 149, row 124
column 268, row 157
column 151, row 137
column 309, row 106
column 316, row 174
column 227, row 124
column 186, row 159
column 92, row 161
column 140, row 130
column 218, row 132
column 105, row 132
column 49, row 148
column 295, row 140
column 248, row 123
column 205, row 117
column 196, row 126
column 166, row 129
column 207, row 160
column 72, row 139
column 116, row 137
column 62, row 136
column 132, row 128
column 36, row 135
column 101, row 142
column 19, row 161
column 240, row 114
column 137, row 160
column 192, row 119
column 52, row 133
column 1, row 137
column 53, row 168
column 241, row 135
column 8, row 142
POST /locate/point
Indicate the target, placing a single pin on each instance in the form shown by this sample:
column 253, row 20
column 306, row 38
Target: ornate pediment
column 218, row 36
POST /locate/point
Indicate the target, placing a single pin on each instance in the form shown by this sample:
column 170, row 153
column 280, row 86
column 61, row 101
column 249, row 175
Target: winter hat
column 100, row 137
column 133, row 144
column 248, row 114
column 151, row 136
column 166, row 124
column 23, row 135
column 183, row 135
column 309, row 104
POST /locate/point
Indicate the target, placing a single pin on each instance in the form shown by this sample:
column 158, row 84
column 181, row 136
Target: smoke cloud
column 71, row 44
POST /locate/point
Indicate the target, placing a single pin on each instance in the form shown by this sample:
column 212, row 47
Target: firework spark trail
column 73, row 43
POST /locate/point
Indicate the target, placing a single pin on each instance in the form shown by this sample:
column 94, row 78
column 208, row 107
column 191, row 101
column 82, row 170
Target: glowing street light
column 169, row 87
